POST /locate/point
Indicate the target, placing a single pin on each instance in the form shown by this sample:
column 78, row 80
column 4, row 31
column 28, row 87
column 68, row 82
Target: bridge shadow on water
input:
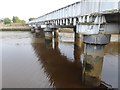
column 63, row 73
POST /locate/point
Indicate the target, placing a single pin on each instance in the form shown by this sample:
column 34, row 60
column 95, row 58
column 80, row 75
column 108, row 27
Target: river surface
column 32, row 62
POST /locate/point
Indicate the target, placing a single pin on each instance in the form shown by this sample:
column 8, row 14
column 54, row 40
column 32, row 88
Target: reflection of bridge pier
column 63, row 73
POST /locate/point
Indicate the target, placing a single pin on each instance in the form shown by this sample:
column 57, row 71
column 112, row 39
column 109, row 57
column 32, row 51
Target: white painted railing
column 82, row 8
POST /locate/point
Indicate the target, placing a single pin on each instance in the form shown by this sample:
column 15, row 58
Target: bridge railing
column 82, row 8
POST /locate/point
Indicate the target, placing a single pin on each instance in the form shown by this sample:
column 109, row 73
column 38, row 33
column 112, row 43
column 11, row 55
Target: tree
column 22, row 21
column 7, row 21
column 30, row 19
column 15, row 19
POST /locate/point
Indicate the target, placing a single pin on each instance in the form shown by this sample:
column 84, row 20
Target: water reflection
column 63, row 73
column 60, row 65
column 59, row 69
column 49, row 44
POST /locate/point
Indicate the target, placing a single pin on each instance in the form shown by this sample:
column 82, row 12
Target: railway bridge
column 93, row 20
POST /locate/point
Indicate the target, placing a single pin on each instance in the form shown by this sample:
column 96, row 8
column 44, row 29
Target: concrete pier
column 97, row 39
column 56, row 38
column 92, row 64
column 48, row 37
column 77, row 46
column 37, row 31
column 32, row 30
column 48, row 33
column 56, row 33
column 93, row 58
column 77, row 54
column 78, row 40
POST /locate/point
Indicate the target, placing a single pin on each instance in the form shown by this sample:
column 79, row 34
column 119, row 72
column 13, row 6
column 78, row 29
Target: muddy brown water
column 31, row 62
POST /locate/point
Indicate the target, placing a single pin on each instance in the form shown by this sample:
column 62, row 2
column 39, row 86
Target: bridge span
column 93, row 20
column 89, row 17
column 96, row 20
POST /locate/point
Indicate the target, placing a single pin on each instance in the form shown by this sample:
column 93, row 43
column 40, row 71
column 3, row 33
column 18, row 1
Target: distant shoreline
column 15, row 27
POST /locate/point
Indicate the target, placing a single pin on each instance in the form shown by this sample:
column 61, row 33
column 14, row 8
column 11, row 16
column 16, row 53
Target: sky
column 25, row 9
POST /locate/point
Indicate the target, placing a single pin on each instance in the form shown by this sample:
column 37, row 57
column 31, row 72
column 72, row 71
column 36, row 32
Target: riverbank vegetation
column 14, row 24
column 14, row 27
column 15, row 19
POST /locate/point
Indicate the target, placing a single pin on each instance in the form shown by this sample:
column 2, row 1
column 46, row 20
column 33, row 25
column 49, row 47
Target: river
column 32, row 62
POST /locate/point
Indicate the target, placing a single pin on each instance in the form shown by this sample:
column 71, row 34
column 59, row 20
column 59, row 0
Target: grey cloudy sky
column 30, row 8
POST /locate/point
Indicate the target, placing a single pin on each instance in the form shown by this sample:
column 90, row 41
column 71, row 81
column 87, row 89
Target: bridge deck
column 82, row 8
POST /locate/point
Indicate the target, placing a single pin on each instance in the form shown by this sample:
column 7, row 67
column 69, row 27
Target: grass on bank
column 14, row 27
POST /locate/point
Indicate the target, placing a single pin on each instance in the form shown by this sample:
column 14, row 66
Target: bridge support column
column 42, row 33
column 37, row 30
column 32, row 29
column 48, row 33
column 101, row 39
column 56, row 34
column 77, row 58
column 92, row 64
column 77, row 46
column 77, row 38
column 48, row 37
column 55, row 39
column 93, row 58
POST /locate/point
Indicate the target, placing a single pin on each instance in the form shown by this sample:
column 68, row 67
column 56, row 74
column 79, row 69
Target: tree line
column 15, row 19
